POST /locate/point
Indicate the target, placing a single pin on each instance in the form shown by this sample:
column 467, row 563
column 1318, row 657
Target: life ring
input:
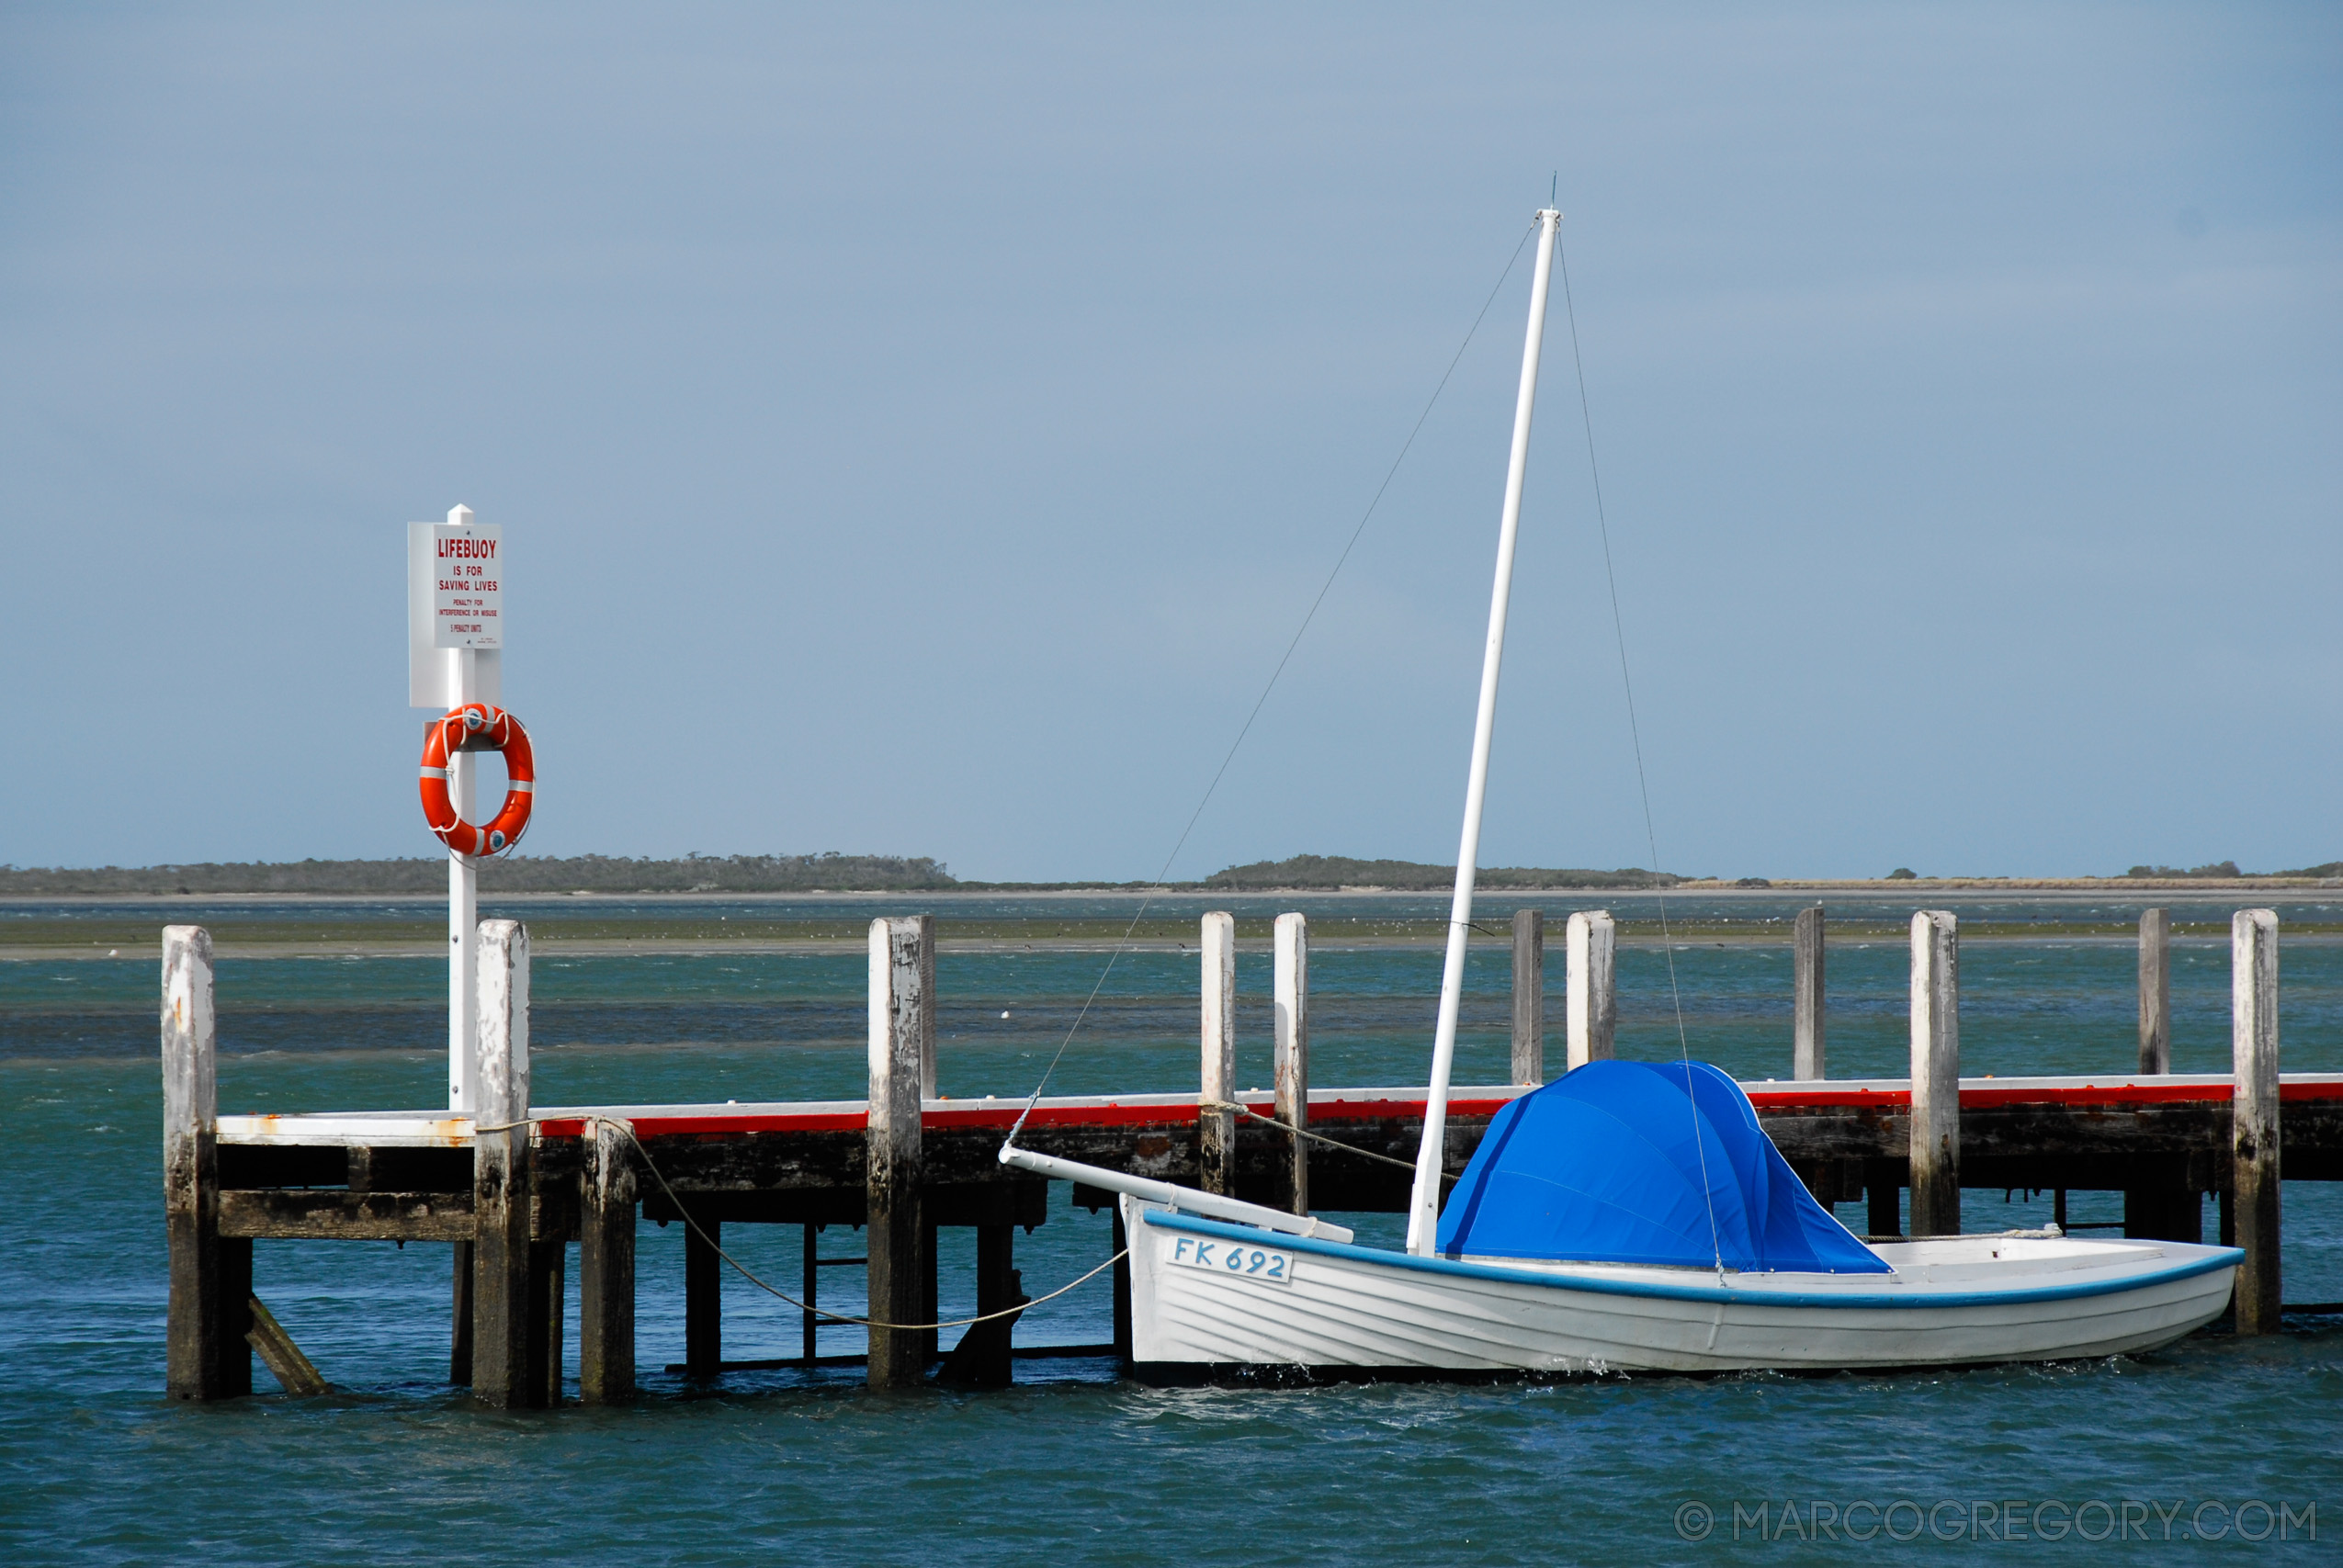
column 501, row 732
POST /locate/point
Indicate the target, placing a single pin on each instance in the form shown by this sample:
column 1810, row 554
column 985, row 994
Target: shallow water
column 1073, row 1465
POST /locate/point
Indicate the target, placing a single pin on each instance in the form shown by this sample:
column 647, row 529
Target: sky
column 922, row 431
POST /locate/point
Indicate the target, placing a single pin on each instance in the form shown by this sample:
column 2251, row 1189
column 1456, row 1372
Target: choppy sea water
column 2215, row 1436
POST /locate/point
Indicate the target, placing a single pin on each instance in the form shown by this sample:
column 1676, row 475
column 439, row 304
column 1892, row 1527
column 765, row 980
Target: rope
column 1406, row 1165
column 1634, row 732
column 1245, row 728
column 745, row 1273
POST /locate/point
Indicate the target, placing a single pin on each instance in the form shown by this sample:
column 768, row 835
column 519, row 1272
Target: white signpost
column 455, row 655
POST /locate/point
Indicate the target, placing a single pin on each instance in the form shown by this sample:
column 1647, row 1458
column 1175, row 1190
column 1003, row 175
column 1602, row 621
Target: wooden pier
column 513, row 1187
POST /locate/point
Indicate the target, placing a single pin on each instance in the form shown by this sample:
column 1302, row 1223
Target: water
column 1073, row 1465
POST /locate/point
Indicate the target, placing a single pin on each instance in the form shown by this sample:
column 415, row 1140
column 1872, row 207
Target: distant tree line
column 1340, row 871
column 2226, row 870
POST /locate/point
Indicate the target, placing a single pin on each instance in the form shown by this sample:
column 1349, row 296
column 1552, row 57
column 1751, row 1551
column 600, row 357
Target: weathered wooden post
column 205, row 1355
column 606, row 1267
column 1529, row 996
column 2156, row 990
column 901, row 1022
column 2254, row 1133
column 1216, row 1128
column 2160, row 1201
column 1806, row 1051
column 1290, row 990
column 505, row 1330
column 1936, row 1074
column 1591, row 1002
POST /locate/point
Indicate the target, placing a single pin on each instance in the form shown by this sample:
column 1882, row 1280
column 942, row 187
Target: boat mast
column 1424, row 1210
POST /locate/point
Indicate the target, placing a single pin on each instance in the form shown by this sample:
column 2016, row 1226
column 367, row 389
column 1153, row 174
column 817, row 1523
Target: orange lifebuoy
column 501, row 732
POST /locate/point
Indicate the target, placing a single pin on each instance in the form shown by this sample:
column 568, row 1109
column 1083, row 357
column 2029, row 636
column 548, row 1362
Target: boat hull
column 1331, row 1310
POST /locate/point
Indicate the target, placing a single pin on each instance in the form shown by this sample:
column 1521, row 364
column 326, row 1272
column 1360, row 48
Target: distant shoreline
column 1970, row 887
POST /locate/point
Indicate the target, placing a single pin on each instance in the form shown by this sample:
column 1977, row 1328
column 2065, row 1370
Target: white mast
column 1424, row 1210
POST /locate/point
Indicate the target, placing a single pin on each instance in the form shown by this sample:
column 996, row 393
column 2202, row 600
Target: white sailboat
column 1625, row 1217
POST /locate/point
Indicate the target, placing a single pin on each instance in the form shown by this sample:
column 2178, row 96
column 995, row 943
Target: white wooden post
column 1529, row 997
column 901, row 1023
column 1217, row 1129
column 1806, row 1031
column 1291, row 999
column 205, row 1356
column 1936, row 1074
column 2156, row 990
column 506, row 1370
column 1592, row 1001
column 463, row 888
column 2254, row 1134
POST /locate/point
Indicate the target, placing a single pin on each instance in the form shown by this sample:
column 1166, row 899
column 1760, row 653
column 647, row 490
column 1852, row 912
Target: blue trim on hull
column 2221, row 1257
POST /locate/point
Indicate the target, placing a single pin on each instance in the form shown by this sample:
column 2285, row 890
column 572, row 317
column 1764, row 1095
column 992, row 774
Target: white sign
column 468, row 600
column 455, row 611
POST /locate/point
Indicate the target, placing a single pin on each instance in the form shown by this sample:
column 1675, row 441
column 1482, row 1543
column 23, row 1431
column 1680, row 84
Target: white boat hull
column 1340, row 1310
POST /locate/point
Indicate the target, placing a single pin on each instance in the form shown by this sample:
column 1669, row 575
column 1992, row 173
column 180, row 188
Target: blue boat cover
column 1602, row 1166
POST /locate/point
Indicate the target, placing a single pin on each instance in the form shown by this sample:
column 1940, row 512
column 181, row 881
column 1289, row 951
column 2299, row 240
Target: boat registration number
column 1263, row 1263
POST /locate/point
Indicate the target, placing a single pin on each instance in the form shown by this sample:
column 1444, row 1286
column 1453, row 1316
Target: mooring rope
column 1245, row 728
column 1406, row 1165
column 746, row 1273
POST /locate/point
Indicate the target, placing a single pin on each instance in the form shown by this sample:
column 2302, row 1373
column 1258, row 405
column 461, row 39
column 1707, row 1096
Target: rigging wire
column 1634, row 733
column 1156, row 886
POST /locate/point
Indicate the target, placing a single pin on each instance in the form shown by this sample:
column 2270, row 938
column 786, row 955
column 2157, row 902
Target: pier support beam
column 1936, row 1074
column 1591, row 1003
column 508, row 1323
column 1217, row 1129
column 1529, row 996
column 902, row 1025
column 1291, row 997
column 607, row 1268
column 205, row 1354
column 1806, row 1050
column 2253, row 1145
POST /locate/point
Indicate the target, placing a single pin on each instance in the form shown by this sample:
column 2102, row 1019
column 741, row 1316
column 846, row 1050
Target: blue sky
column 920, row 431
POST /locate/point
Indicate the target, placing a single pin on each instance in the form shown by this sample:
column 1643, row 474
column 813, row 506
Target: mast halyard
column 1424, row 1210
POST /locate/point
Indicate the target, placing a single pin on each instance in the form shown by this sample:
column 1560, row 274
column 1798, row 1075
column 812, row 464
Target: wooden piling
column 548, row 1266
column 1936, row 1074
column 204, row 1347
column 1884, row 1196
column 982, row 1359
column 507, row 1335
column 702, row 1296
column 903, row 999
column 1216, row 1128
column 1291, row 999
column 1591, row 1002
column 460, row 1338
column 2160, row 1201
column 1806, row 1051
column 2156, row 990
column 1529, row 996
column 2254, row 1131
column 606, row 1268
